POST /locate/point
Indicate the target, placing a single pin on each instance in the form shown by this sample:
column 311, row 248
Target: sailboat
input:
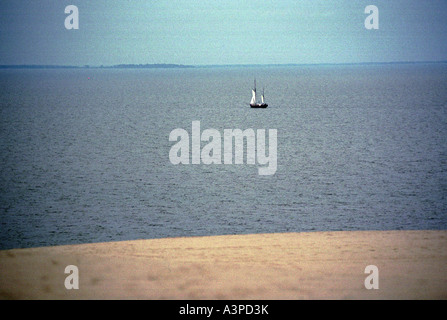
column 254, row 103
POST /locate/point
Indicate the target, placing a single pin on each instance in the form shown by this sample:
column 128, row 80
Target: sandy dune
column 316, row 265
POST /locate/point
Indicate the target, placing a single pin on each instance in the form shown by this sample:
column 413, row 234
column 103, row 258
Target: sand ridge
column 310, row 265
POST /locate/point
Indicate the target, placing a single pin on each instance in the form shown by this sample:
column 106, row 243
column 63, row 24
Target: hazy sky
column 221, row 32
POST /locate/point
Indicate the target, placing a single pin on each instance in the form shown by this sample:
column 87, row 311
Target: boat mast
column 253, row 97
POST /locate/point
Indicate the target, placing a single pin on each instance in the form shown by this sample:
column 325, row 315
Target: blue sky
column 221, row 32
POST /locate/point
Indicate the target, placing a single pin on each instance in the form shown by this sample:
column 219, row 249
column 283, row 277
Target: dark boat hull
column 259, row 105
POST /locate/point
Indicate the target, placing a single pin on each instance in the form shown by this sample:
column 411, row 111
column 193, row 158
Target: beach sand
column 313, row 265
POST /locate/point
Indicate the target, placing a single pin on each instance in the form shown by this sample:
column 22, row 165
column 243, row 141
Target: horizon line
column 173, row 65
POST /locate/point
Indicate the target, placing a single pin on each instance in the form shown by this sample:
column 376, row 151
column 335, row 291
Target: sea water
column 84, row 153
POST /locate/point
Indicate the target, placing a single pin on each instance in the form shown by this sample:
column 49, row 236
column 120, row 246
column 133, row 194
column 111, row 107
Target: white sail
column 253, row 98
column 253, row 102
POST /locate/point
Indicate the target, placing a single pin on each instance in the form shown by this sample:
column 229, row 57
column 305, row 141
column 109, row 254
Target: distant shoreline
column 118, row 66
column 182, row 66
